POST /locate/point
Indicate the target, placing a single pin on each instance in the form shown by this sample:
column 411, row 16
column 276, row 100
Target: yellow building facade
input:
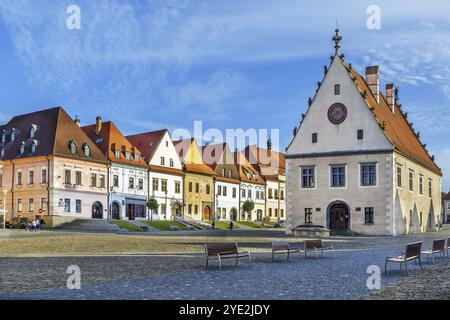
column 198, row 183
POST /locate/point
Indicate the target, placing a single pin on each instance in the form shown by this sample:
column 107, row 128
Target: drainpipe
column 148, row 193
column 12, row 188
column 48, row 185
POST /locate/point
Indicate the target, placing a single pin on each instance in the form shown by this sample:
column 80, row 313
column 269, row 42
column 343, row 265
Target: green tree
column 152, row 205
column 248, row 207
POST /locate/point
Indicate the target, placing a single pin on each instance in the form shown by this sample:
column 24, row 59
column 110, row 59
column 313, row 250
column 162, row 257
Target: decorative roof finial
column 337, row 38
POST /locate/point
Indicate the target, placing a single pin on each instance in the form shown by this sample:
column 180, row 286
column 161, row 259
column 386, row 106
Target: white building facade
column 356, row 164
column 227, row 199
column 165, row 182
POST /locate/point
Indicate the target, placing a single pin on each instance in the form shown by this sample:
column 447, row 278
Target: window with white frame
column 420, row 184
column 368, row 174
column 307, row 177
column 337, row 176
column 411, row 180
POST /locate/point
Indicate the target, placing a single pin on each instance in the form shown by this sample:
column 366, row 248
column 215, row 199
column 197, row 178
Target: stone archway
column 115, row 211
column 338, row 217
column 97, row 210
column 207, row 213
column 233, row 214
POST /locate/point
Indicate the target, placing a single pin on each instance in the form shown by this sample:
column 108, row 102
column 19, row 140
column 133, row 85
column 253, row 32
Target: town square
column 191, row 152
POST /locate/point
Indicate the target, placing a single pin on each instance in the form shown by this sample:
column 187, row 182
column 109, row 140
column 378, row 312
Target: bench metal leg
column 206, row 267
column 220, row 262
column 249, row 258
column 406, row 268
column 385, row 267
column 237, row 260
column 420, row 263
column 273, row 256
column 287, row 259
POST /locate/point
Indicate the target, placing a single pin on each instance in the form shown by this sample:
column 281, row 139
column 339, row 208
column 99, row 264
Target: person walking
column 33, row 225
column 231, row 225
column 38, row 224
column 213, row 225
column 42, row 224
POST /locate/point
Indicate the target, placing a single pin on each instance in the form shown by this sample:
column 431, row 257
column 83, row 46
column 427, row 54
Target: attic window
column 33, row 130
column 73, row 147
column 22, row 147
column 136, row 157
column 167, row 143
column 87, row 150
column 128, row 155
column 13, row 134
column 2, row 152
column 360, row 134
column 3, row 136
column 117, row 154
column 33, row 146
column 314, row 137
column 337, row 89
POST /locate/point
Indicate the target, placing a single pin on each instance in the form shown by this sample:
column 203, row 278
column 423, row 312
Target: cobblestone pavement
column 340, row 277
column 181, row 275
column 430, row 284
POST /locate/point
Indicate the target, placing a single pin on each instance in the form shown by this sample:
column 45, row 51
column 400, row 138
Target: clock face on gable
column 337, row 113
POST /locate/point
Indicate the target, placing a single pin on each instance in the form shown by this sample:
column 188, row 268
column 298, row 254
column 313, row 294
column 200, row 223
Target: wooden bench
column 437, row 247
column 143, row 228
column 316, row 246
column 412, row 253
column 225, row 251
column 283, row 247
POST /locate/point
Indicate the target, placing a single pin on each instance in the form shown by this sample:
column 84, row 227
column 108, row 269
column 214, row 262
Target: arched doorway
column 339, row 217
column 115, row 211
column 233, row 214
column 207, row 213
column 97, row 210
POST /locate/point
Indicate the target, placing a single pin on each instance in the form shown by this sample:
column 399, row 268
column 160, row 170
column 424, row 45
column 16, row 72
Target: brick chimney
column 373, row 81
column 98, row 125
column 390, row 96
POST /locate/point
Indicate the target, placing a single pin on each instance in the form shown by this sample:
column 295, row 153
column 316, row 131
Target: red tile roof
column 270, row 164
column 395, row 125
column 147, row 142
column 446, row 196
column 55, row 131
column 110, row 139
column 199, row 168
column 246, row 171
column 166, row 170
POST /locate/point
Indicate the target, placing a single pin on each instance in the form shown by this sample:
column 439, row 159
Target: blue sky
column 232, row 64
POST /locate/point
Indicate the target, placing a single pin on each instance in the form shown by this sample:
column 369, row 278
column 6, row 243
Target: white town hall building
column 356, row 163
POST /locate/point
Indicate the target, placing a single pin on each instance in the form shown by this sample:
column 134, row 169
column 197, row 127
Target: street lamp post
column 5, row 191
column 165, row 209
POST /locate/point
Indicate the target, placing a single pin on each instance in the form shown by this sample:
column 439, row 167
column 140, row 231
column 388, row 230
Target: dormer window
column 87, row 150
column 117, row 154
column 73, row 148
column 128, row 155
column 33, row 146
column 136, row 157
column 2, row 152
column 13, row 134
column 3, row 136
column 33, row 131
column 22, row 148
